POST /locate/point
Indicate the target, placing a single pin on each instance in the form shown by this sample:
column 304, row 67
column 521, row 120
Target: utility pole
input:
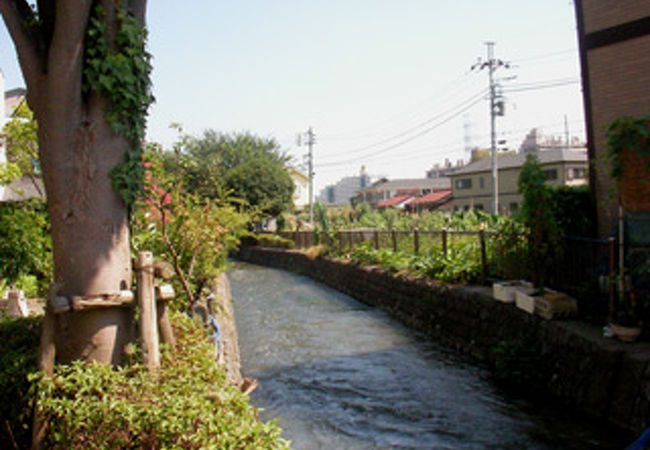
column 311, row 140
column 496, row 109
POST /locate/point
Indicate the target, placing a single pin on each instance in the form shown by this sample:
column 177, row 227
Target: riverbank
column 567, row 359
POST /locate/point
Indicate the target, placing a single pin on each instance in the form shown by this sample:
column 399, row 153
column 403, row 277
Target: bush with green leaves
column 19, row 337
column 544, row 248
column 365, row 253
column 192, row 232
column 188, row 403
column 275, row 241
column 25, row 242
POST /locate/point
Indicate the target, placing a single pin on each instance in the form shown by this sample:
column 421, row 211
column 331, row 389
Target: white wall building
column 342, row 191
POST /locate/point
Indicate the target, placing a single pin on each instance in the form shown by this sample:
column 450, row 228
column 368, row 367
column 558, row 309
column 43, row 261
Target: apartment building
column 472, row 185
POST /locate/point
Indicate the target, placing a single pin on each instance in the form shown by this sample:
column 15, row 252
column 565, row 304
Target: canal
column 341, row 375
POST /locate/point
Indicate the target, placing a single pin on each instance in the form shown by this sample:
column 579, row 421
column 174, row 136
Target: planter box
column 525, row 301
column 504, row 291
column 553, row 306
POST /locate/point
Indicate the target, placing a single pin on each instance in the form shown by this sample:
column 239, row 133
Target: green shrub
column 365, row 253
column 25, row 243
column 19, row 337
column 275, row 241
column 188, row 403
column 248, row 240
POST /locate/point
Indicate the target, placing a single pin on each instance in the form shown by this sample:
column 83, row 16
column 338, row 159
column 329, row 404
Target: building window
column 479, row 206
column 481, row 183
column 464, row 183
column 514, row 206
column 576, row 174
column 551, row 174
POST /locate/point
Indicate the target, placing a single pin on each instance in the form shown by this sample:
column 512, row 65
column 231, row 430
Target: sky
column 386, row 84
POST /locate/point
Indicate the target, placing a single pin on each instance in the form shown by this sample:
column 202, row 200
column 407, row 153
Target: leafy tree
column 267, row 186
column 25, row 244
column 249, row 167
column 87, row 76
column 537, row 215
column 21, row 139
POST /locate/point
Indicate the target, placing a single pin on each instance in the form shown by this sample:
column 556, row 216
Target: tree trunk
column 77, row 150
column 89, row 226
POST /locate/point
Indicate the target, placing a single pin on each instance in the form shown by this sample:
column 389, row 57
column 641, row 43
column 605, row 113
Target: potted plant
column 631, row 308
column 628, row 149
column 626, row 322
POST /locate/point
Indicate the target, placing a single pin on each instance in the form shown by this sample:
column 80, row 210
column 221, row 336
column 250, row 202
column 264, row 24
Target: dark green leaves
column 120, row 70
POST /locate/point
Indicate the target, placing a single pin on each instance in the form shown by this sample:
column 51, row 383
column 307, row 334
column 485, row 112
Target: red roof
column 394, row 201
column 433, row 197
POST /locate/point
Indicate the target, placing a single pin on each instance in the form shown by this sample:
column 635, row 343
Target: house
column 397, row 201
column 301, row 190
column 384, row 189
column 472, row 185
column 614, row 40
column 429, row 202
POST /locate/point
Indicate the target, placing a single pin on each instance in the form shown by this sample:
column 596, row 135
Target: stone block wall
column 574, row 363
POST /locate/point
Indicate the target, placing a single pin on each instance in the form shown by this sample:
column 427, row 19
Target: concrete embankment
column 570, row 359
column 225, row 315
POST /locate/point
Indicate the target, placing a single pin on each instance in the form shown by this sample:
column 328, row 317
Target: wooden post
column 376, row 239
column 612, row 275
column 444, row 242
column 416, row 241
column 481, row 234
column 393, row 237
column 147, row 305
column 164, row 324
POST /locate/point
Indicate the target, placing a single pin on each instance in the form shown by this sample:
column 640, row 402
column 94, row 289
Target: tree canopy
column 250, row 168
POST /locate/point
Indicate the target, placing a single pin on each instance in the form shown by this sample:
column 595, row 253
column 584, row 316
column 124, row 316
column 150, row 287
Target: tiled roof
column 410, row 183
column 433, row 197
column 511, row 161
column 394, row 201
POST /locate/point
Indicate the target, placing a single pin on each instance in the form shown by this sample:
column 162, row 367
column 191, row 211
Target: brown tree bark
column 77, row 150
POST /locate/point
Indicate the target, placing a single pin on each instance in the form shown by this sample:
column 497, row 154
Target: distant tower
column 363, row 178
column 467, row 137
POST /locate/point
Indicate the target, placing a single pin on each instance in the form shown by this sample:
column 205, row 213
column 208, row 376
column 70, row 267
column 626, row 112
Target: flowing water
column 342, row 375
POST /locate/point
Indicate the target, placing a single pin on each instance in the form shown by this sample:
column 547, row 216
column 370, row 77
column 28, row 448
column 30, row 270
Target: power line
column 544, row 85
column 405, row 141
column 468, row 102
column 448, row 91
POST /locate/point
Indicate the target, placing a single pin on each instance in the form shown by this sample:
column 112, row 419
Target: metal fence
column 583, row 266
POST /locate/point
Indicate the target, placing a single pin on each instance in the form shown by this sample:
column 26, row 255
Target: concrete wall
column 602, row 377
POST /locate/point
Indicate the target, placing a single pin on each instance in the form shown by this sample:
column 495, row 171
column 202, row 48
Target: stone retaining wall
column 570, row 360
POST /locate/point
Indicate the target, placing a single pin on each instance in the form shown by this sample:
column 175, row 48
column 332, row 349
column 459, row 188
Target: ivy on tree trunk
column 81, row 151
